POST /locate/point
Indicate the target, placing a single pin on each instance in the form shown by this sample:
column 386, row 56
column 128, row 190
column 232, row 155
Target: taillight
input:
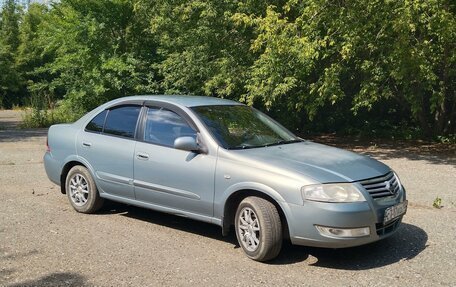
column 48, row 149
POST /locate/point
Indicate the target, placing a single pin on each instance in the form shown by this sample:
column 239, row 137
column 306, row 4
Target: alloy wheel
column 79, row 189
column 249, row 229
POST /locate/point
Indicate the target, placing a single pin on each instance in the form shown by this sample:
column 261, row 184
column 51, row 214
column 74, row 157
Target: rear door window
column 97, row 123
column 121, row 121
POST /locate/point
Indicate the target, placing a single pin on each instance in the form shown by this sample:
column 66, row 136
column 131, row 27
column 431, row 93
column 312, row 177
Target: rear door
column 108, row 144
column 169, row 177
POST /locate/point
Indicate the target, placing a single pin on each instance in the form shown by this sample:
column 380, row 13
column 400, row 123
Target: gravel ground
column 43, row 242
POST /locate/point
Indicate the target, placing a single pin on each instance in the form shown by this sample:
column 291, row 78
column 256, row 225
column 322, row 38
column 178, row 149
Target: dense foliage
column 317, row 65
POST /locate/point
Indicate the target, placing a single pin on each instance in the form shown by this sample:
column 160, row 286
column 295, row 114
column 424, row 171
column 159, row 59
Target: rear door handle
column 142, row 156
column 87, row 144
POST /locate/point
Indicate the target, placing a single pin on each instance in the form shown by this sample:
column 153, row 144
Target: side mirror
column 186, row 143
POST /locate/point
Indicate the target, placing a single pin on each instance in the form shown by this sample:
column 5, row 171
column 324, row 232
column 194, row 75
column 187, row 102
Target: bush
column 41, row 118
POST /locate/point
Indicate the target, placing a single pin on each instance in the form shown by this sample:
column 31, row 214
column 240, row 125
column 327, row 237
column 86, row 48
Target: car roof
column 187, row 101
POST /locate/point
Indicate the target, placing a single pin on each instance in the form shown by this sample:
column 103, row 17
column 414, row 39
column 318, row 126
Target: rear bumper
column 52, row 168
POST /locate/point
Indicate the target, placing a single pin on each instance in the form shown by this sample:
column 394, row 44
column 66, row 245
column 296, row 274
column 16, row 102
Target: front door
column 169, row 177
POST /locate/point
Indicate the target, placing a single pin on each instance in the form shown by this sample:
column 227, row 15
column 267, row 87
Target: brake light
column 48, row 149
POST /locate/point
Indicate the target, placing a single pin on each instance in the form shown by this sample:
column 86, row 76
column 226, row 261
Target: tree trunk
column 445, row 105
column 422, row 118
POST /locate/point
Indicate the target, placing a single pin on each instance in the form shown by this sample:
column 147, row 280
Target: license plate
column 394, row 212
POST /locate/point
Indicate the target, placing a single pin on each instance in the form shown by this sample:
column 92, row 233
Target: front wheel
column 82, row 191
column 258, row 228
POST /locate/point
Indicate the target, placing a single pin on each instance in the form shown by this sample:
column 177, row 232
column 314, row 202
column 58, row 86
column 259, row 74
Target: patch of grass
column 17, row 108
column 36, row 118
column 437, row 203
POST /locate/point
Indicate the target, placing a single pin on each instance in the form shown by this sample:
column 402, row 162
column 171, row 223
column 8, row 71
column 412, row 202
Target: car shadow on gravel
column 169, row 220
column 405, row 244
column 55, row 279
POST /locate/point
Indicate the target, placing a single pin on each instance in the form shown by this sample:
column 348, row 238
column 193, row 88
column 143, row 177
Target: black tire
column 88, row 201
column 269, row 232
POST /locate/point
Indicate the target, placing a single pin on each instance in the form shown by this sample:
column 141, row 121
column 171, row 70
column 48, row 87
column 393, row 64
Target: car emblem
column 389, row 187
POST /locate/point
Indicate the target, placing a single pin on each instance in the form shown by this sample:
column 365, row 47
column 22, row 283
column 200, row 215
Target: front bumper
column 304, row 219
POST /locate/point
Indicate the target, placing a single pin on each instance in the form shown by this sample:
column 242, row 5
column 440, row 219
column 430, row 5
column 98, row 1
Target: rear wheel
column 82, row 191
column 258, row 228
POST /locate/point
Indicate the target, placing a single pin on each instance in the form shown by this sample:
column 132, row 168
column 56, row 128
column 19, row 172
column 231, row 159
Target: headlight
column 334, row 192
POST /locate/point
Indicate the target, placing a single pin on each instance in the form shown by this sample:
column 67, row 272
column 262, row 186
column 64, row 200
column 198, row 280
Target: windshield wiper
column 246, row 146
column 280, row 142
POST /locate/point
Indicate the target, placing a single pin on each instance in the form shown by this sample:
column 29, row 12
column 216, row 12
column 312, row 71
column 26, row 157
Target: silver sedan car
column 225, row 163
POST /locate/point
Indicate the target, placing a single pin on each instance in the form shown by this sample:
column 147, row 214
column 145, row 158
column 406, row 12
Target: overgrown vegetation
column 385, row 68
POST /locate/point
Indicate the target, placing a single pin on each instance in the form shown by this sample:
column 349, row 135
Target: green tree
column 313, row 64
column 100, row 50
column 30, row 54
column 317, row 54
column 10, row 83
column 203, row 52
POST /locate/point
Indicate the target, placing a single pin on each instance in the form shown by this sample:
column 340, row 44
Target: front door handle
column 87, row 144
column 142, row 156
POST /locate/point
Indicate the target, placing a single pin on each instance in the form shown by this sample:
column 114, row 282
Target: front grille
column 382, row 186
column 388, row 228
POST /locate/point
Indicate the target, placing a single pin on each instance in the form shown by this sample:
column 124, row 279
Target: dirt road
column 43, row 242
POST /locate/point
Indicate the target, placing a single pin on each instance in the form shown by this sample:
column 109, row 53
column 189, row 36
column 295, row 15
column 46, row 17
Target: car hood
column 316, row 161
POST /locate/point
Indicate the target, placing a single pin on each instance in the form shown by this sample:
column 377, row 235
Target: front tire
column 258, row 228
column 82, row 191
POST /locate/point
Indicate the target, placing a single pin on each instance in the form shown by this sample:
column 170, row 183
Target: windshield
column 240, row 127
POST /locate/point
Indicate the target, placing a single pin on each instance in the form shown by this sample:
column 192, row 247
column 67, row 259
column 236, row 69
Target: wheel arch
column 70, row 163
column 235, row 198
